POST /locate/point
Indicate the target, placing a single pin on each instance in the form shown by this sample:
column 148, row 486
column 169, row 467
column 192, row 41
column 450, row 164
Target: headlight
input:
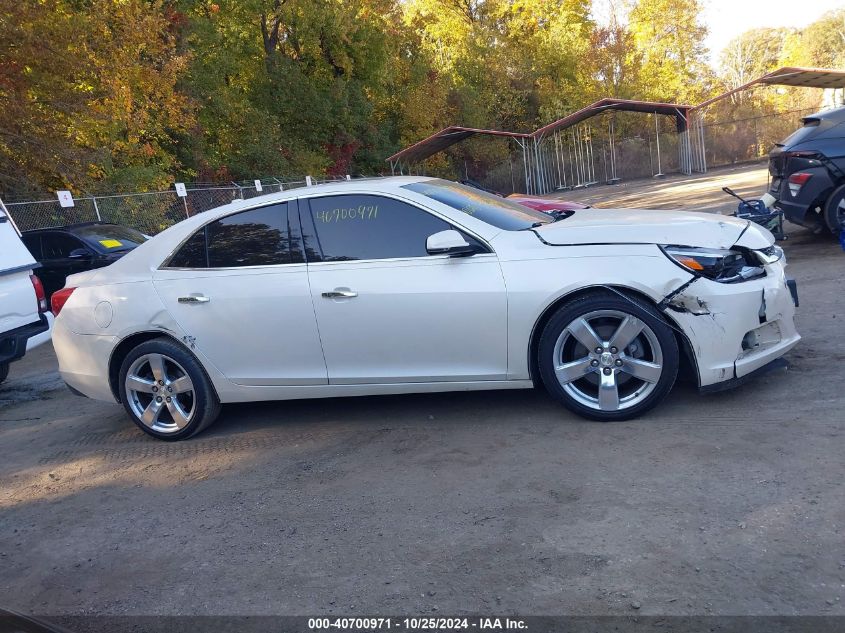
column 719, row 264
column 770, row 255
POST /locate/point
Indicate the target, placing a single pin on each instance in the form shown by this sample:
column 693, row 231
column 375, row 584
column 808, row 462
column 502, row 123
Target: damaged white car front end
column 734, row 307
column 738, row 320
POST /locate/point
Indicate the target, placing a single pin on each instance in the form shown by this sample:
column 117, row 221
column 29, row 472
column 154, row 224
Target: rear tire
column 166, row 391
column 608, row 357
column 4, row 371
column 834, row 210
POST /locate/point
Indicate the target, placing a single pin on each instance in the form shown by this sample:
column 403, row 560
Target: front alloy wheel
column 608, row 357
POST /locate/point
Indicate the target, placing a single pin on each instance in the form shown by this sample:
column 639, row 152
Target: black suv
column 67, row 250
column 808, row 172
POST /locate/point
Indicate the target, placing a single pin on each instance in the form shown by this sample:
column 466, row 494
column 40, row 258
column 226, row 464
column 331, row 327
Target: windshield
column 489, row 208
column 110, row 237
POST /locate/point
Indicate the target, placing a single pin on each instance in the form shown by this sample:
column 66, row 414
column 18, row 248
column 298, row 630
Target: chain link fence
column 149, row 212
column 747, row 139
column 589, row 161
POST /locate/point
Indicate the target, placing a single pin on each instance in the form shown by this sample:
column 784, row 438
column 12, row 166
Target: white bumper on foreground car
column 735, row 329
column 84, row 361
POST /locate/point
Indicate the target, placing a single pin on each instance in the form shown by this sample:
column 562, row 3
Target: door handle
column 194, row 299
column 340, row 293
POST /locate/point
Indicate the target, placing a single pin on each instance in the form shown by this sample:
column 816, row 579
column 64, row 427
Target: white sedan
column 415, row 284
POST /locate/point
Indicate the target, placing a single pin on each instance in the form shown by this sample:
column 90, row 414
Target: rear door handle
column 194, row 299
column 340, row 293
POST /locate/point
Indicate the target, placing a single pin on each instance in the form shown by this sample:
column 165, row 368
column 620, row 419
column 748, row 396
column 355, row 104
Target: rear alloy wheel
column 607, row 357
column 834, row 211
column 166, row 392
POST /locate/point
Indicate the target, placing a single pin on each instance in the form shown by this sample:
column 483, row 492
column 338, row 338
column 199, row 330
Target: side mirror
column 79, row 253
column 449, row 243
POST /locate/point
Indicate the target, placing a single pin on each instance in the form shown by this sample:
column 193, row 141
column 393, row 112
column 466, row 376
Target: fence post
column 96, row 208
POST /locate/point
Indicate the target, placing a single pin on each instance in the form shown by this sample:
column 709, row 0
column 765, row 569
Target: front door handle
column 340, row 293
column 194, row 299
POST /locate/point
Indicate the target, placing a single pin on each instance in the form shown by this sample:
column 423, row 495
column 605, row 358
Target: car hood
column 547, row 204
column 637, row 226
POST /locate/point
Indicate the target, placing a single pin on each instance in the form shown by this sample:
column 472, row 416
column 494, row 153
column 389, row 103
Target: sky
column 728, row 18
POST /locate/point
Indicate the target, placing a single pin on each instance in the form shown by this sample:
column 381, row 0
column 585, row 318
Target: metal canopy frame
column 442, row 140
column 582, row 154
column 796, row 77
column 542, row 161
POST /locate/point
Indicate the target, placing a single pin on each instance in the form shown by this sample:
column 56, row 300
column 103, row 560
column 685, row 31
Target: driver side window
column 358, row 226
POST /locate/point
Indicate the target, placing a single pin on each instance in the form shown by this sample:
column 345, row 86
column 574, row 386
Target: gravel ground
column 491, row 502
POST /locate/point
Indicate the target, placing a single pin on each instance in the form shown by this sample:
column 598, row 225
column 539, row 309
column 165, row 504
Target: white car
column 414, row 284
column 24, row 320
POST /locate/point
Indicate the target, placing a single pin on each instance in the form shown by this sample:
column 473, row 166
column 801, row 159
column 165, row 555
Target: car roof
column 836, row 115
column 386, row 183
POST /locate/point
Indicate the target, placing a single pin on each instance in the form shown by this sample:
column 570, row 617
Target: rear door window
column 258, row 237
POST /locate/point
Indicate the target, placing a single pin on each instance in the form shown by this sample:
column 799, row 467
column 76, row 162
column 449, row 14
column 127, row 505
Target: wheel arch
column 126, row 345
column 688, row 364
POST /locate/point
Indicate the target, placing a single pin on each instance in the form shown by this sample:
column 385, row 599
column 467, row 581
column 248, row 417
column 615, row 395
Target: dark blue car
column 808, row 172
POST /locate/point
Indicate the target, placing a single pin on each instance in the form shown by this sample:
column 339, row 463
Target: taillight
column 796, row 181
column 40, row 295
column 59, row 299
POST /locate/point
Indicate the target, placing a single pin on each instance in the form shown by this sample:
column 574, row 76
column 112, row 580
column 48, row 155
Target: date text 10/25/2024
column 417, row 624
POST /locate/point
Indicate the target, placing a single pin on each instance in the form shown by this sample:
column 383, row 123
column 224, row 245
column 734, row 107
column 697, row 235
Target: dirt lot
column 695, row 193
column 495, row 502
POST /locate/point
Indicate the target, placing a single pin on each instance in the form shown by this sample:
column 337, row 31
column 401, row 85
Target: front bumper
column 736, row 329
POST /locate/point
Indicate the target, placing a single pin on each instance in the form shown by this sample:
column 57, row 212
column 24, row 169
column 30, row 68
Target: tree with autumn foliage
column 134, row 94
column 90, row 95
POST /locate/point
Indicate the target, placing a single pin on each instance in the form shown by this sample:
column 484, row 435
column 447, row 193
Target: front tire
column 607, row 357
column 166, row 392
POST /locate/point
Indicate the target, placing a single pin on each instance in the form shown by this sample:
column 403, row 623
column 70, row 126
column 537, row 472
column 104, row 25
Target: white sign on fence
column 258, row 185
column 308, row 181
column 65, row 198
column 180, row 190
